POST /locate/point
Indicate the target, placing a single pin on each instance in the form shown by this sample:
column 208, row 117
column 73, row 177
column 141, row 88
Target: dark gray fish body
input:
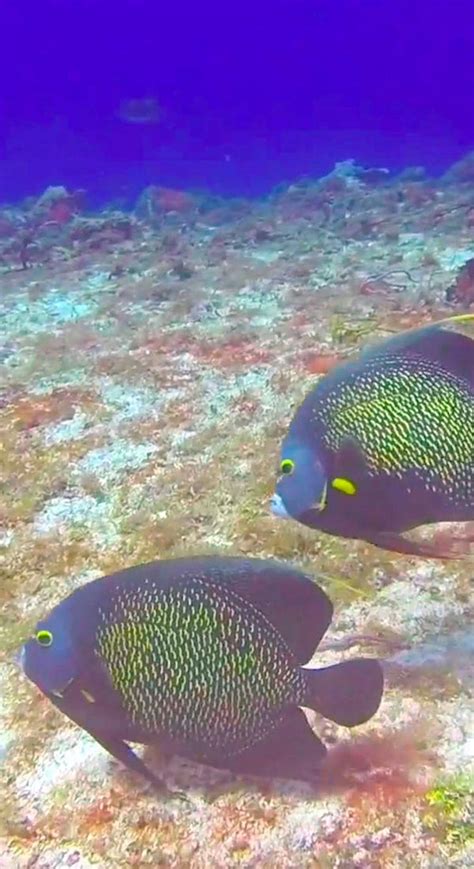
column 385, row 441
column 203, row 656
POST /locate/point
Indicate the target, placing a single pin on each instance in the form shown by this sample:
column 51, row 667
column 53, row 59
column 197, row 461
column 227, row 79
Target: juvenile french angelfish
column 203, row 656
column 385, row 442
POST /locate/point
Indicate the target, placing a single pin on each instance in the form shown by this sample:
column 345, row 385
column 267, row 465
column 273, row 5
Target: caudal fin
column 348, row 693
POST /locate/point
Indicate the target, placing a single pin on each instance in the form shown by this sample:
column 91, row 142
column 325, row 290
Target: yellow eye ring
column 287, row 466
column 44, row 638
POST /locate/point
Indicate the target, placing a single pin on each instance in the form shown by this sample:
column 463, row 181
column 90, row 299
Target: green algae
column 450, row 816
column 347, row 332
column 431, row 683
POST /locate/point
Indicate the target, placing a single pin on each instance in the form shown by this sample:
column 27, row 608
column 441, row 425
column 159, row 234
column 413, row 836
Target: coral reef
column 149, row 364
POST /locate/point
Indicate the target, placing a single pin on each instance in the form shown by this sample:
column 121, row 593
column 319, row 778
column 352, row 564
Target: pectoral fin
column 123, row 753
column 80, row 706
column 350, row 466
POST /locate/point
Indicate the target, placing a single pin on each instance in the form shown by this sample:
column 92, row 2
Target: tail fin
column 348, row 693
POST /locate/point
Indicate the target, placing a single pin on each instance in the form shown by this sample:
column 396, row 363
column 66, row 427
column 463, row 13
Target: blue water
column 250, row 94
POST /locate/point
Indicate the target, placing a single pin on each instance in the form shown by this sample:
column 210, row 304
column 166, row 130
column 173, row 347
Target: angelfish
column 205, row 657
column 384, row 442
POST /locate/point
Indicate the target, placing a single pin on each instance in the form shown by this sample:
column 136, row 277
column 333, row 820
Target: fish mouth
column 278, row 508
column 20, row 658
column 277, row 505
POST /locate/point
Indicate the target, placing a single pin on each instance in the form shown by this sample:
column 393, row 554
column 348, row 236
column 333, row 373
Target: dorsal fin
column 299, row 609
column 437, row 342
column 291, row 601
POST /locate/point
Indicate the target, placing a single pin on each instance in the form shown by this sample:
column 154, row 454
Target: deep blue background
column 283, row 88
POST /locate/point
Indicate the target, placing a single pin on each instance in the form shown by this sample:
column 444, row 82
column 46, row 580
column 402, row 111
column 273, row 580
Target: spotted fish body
column 203, row 656
column 414, row 423
column 197, row 671
column 398, row 423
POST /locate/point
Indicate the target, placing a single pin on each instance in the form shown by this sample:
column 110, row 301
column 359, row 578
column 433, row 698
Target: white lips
column 278, row 508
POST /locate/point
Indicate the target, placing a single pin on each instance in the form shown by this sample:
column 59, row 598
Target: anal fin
column 457, row 547
column 290, row 751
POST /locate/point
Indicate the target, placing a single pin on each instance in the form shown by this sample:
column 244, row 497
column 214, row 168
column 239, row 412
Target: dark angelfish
column 204, row 657
column 384, row 442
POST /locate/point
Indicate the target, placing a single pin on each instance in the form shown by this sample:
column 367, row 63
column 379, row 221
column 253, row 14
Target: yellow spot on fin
column 344, row 485
column 89, row 697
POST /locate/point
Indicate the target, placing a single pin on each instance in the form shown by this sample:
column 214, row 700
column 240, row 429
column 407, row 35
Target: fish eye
column 287, row 466
column 44, row 638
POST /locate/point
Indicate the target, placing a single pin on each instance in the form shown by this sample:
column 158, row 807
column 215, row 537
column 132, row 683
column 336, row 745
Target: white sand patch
column 68, row 755
column 110, row 462
column 67, row 429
